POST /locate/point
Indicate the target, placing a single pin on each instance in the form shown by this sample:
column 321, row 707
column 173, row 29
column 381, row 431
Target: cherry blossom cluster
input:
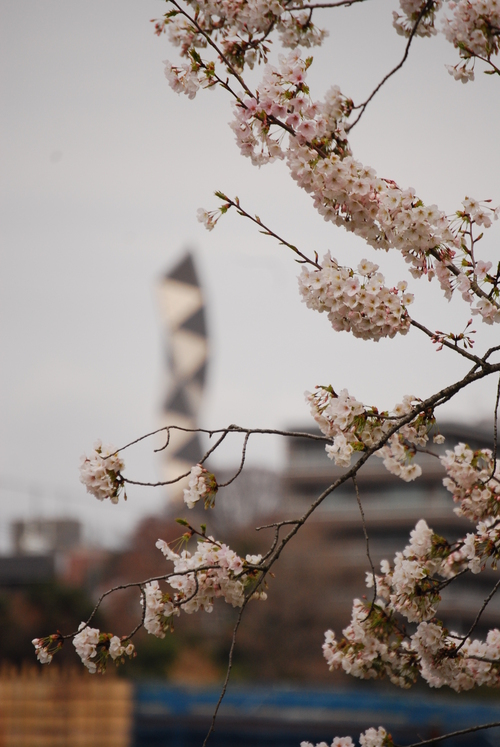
column 369, row 738
column 282, row 104
column 373, row 647
column 473, row 478
column 159, row 610
column 351, row 195
column 240, row 27
column 357, row 302
column 474, row 277
column 186, row 78
column 347, row 193
column 45, row 648
column 101, row 473
column 385, row 216
column 95, row 648
column 376, row 645
column 482, row 546
column 474, row 30
column 410, row 587
column 353, row 427
column 447, row 659
column 400, row 449
column 344, row 191
column 212, row 571
column 397, row 454
column 202, row 484
column 345, row 420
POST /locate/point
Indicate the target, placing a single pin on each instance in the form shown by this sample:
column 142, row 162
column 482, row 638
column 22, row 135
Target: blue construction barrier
column 264, row 716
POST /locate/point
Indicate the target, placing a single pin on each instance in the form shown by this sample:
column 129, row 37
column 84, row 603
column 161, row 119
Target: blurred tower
column 184, row 327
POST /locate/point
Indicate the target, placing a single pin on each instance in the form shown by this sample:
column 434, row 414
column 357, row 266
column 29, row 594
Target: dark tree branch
column 478, row 616
column 367, row 541
column 447, row 344
column 470, row 730
column 362, row 107
column 228, row 671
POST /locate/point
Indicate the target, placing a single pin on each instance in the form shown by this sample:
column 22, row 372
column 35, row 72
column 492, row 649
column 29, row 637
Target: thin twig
column 487, row 60
column 495, row 435
column 224, row 432
column 277, row 526
column 268, row 231
column 490, row 351
column 337, row 4
column 213, row 448
column 230, row 429
column 484, row 659
column 228, row 671
column 242, row 464
column 443, row 584
column 155, row 484
column 478, row 616
column 363, row 106
column 143, row 617
column 367, row 540
column 470, row 730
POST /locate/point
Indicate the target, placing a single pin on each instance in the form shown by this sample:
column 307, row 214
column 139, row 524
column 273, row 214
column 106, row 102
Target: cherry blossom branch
column 484, row 659
column 230, row 429
column 224, row 432
column 443, row 396
column 362, row 107
column 140, row 585
column 263, row 568
column 214, row 76
column 277, row 547
column 209, row 40
column 431, row 402
column 454, row 269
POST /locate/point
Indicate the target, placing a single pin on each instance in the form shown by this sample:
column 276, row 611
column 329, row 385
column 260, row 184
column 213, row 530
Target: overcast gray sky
column 103, row 170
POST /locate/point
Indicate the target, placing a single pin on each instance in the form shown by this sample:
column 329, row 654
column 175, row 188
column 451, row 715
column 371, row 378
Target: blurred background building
column 184, row 326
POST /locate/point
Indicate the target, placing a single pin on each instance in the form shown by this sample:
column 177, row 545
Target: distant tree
column 27, row 609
